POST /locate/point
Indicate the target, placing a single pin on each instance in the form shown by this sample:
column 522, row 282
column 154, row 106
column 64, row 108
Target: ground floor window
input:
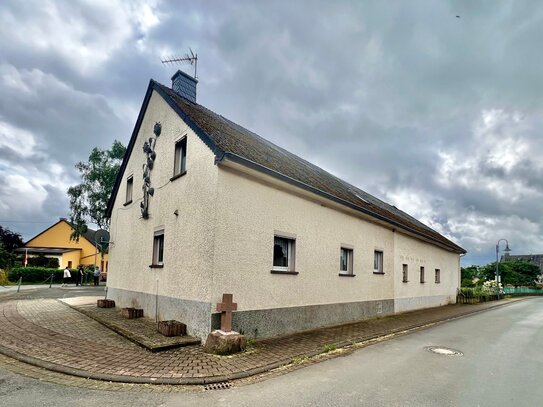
column 378, row 262
column 421, row 274
column 346, row 261
column 438, row 276
column 405, row 275
column 283, row 253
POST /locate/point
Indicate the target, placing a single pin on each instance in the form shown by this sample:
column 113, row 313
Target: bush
column 476, row 291
column 38, row 274
column 467, row 282
column 3, row 278
column 42, row 261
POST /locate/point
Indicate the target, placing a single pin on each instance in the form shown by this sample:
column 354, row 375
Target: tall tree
column 513, row 272
column 9, row 241
column 88, row 200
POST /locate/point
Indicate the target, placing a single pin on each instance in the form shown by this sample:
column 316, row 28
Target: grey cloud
column 375, row 92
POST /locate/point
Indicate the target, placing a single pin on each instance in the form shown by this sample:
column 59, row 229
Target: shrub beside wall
column 44, row 262
column 3, row 277
column 38, row 274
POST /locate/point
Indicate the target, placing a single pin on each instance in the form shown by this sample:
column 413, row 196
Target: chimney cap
column 180, row 72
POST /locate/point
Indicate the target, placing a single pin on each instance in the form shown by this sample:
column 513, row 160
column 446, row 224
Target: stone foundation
column 282, row 321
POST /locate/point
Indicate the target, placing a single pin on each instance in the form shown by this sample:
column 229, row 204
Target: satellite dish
column 101, row 236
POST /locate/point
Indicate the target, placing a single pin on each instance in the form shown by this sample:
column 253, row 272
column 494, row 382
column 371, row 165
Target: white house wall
column 221, row 241
column 414, row 294
column 188, row 237
column 250, row 212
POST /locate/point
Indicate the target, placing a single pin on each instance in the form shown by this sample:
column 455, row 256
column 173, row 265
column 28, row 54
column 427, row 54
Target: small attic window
column 129, row 189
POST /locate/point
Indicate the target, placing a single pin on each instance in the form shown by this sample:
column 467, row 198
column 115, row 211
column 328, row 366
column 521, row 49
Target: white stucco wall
column 414, row 294
column 248, row 213
column 221, row 241
column 188, row 237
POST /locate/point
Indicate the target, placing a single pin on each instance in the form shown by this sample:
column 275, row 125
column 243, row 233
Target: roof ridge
column 222, row 136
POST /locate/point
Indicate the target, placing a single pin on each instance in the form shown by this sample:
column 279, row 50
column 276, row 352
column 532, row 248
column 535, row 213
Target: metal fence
column 474, row 299
column 522, row 291
column 469, row 298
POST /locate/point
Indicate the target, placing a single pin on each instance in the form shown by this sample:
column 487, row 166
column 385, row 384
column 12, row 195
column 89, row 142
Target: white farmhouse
column 203, row 206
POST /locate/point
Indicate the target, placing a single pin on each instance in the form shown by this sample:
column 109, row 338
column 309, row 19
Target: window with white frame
column 422, row 274
column 158, row 248
column 346, row 261
column 405, row 273
column 378, row 262
column 438, row 276
column 283, row 253
column 180, row 159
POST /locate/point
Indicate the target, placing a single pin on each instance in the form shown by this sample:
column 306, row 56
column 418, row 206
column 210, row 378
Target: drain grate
column 218, row 386
column 442, row 350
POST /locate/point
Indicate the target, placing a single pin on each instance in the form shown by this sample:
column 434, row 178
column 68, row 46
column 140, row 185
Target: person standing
column 96, row 276
column 80, row 275
column 67, row 276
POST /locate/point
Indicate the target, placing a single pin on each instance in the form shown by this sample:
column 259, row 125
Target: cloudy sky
column 438, row 115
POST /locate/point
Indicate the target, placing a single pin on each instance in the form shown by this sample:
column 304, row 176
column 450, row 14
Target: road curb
column 237, row 375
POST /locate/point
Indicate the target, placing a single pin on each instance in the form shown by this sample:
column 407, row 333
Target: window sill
column 379, row 272
column 346, row 275
column 405, row 281
column 156, row 266
column 293, row 273
column 127, row 203
column 178, row 175
column 422, row 282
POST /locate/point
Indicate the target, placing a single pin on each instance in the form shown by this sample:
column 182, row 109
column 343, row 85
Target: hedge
column 41, row 274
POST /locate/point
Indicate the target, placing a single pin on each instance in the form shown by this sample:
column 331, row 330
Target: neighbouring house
column 202, row 206
column 55, row 242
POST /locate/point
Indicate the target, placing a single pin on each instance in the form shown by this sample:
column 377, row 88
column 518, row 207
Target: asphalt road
column 502, row 365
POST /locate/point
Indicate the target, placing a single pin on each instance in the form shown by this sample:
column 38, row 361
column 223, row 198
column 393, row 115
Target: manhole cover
column 441, row 350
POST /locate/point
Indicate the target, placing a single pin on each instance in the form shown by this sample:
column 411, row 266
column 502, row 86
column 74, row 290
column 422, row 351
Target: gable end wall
column 189, row 236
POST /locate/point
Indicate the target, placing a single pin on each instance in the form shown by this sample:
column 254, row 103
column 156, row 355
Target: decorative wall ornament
column 149, row 150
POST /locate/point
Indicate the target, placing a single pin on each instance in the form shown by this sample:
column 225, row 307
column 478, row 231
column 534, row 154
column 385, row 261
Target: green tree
column 88, row 200
column 522, row 273
column 469, row 274
column 513, row 272
column 9, row 241
column 488, row 272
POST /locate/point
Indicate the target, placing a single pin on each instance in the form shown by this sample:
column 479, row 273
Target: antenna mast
column 191, row 59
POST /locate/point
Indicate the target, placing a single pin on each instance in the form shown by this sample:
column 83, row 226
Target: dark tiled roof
column 89, row 235
column 226, row 137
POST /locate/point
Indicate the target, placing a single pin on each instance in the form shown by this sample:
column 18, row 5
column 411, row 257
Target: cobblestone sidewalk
column 49, row 334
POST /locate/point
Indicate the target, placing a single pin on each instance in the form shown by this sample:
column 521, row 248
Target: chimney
column 184, row 85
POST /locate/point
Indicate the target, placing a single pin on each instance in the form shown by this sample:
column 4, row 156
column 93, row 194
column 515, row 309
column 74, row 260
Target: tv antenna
column 190, row 58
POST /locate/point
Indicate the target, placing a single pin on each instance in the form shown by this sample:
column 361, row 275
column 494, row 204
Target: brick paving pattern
column 52, row 315
column 142, row 331
column 26, row 330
